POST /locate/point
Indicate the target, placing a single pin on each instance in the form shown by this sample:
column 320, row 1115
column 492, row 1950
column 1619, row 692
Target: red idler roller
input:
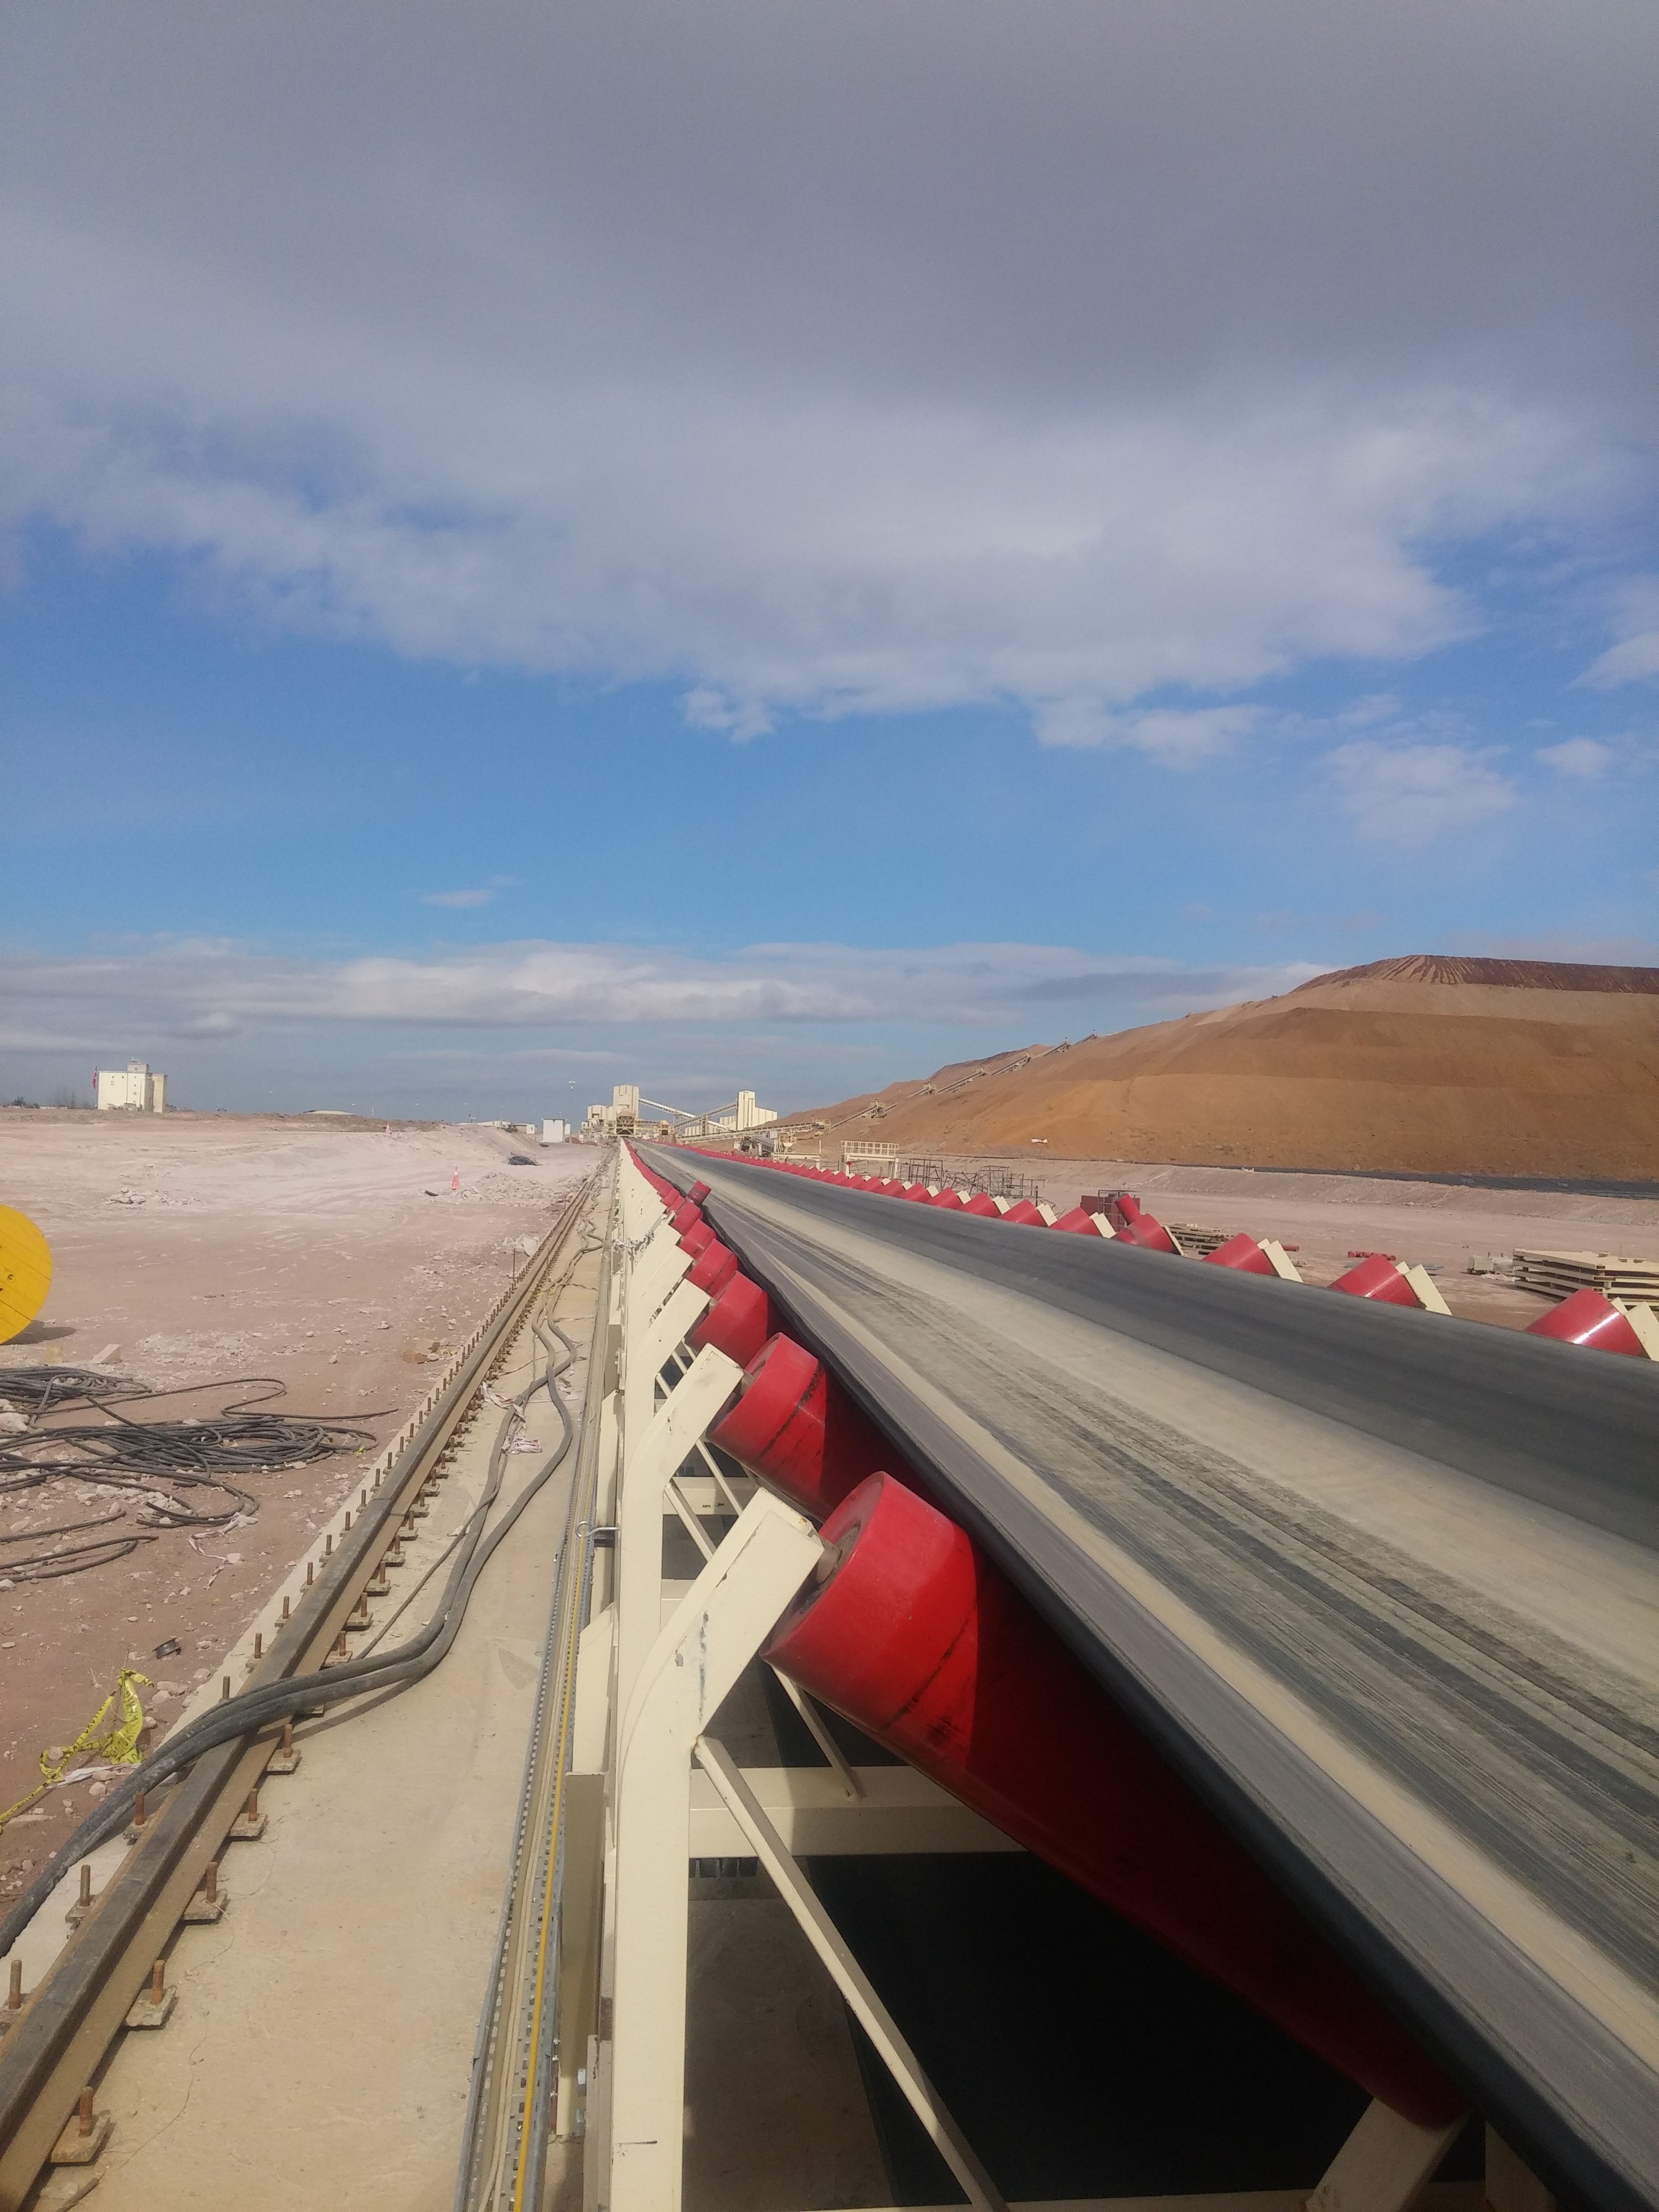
column 983, row 1205
column 1242, row 1253
column 922, row 1642
column 1026, row 1214
column 739, row 1322
column 698, row 1192
column 713, row 1268
column 685, row 1216
column 1078, row 1223
column 1150, row 1235
column 950, row 1199
column 888, row 1189
column 1128, row 1206
column 793, row 1426
column 698, row 1239
column 1587, row 1317
column 917, row 1193
column 1379, row 1278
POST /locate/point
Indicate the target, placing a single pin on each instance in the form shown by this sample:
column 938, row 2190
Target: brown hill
column 1428, row 1062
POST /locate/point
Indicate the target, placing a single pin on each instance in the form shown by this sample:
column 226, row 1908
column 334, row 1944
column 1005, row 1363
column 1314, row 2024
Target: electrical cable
column 42, row 1388
column 66, row 1527
column 155, row 1459
column 67, row 1558
column 257, row 1708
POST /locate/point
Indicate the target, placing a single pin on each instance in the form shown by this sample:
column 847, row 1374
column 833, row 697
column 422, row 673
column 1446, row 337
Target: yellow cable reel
column 25, row 1272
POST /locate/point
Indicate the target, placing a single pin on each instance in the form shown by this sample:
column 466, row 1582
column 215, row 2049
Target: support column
column 714, row 1634
column 1384, row 2163
column 648, row 1462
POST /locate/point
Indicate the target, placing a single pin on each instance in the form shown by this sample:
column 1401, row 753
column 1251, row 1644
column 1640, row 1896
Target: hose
column 259, row 1707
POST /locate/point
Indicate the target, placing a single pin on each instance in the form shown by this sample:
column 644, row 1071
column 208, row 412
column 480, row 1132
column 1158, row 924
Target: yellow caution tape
column 118, row 1744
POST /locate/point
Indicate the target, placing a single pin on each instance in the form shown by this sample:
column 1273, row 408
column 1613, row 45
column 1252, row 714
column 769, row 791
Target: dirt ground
column 1455, row 1067
column 336, row 1258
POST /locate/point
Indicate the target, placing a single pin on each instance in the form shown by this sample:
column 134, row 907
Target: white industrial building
column 744, row 1115
column 556, row 1133
column 134, row 1089
column 624, row 1114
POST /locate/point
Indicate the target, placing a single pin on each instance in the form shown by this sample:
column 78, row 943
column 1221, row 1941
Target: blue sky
column 706, row 578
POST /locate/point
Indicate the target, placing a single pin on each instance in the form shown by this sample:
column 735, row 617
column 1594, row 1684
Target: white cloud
column 1635, row 657
column 202, row 990
column 1175, row 737
column 706, row 709
column 1408, row 794
column 723, row 351
column 1586, row 758
column 483, row 896
column 904, row 555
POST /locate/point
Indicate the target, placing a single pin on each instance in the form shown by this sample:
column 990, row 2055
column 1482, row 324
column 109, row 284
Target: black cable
column 42, row 1388
column 257, row 1708
column 156, row 1458
column 66, row 1527
column 72, row 1559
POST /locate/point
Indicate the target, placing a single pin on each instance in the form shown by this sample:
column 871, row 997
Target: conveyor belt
column 1386, row 1586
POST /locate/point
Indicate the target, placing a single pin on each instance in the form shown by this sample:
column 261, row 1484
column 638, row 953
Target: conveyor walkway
column 1384, row 1584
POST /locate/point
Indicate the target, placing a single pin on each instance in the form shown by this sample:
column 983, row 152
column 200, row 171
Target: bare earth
column 207, row 1247
column 1436, row 1066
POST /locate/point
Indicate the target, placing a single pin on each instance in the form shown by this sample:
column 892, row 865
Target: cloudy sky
column 783, row 545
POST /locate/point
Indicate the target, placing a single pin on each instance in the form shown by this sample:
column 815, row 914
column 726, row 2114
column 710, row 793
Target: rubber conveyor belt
column 1385, row 1585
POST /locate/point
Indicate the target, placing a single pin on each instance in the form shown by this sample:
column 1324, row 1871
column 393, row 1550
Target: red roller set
column 1241, row 1254
column 1590, row 1318
column 916, row 1635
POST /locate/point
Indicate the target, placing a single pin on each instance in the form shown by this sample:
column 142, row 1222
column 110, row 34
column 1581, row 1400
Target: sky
column 780, row 546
